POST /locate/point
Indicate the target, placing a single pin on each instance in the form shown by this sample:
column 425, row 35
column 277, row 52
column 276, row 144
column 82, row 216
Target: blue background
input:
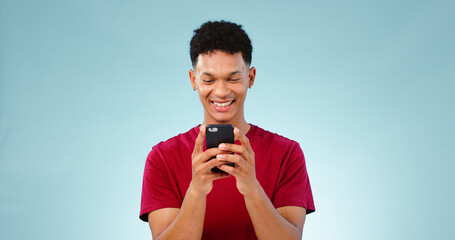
column 366, row 87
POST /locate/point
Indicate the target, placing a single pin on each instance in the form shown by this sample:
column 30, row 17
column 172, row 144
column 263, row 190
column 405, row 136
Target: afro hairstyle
column 220, row 35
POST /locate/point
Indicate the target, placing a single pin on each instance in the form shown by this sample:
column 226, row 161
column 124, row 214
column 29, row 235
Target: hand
column 244, row 170
column 202, row 176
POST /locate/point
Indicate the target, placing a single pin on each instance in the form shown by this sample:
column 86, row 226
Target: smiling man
column 266, row 195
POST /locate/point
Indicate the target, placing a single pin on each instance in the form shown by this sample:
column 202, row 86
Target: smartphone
column 216, row 134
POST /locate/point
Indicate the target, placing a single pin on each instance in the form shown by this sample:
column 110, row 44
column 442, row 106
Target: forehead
column 220, row 62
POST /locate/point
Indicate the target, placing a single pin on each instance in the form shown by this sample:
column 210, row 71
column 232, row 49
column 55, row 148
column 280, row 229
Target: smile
column 223, row 105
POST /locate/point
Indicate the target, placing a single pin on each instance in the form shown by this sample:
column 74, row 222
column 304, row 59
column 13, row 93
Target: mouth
column 222, row 106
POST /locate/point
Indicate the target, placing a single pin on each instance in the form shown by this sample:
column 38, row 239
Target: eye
column 208, row 81
column 233, row 79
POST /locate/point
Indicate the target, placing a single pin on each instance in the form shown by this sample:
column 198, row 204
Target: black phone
column 216, row 134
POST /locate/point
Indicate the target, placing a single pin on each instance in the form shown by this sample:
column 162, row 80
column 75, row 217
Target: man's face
column 222, row 81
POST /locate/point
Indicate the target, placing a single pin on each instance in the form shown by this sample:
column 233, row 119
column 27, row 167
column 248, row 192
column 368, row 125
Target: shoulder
column 177, row 143
column 270, row 138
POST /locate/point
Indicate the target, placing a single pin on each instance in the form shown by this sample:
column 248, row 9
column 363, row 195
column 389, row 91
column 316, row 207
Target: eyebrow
column 233, row 73
column 230, row 74
column 208, row 74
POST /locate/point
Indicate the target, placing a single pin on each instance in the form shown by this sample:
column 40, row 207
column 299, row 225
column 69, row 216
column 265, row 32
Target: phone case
column 216, row 134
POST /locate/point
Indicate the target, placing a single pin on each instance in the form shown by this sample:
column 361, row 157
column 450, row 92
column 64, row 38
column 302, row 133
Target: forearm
column 267, row 221
column 189, row 222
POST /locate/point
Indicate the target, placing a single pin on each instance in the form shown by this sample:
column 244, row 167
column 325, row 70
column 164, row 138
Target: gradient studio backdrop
column 366, row 87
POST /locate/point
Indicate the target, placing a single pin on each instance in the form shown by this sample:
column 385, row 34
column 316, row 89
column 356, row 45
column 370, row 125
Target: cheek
column 203, row 93
column 241, row 91
column 203, row 88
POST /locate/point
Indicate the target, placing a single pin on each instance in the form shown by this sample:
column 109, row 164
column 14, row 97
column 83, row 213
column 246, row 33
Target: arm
column 269, row 223
column 183, row 223
column 188, row 221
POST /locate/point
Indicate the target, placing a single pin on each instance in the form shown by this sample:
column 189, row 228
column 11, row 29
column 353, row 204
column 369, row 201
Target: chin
column 221, row 117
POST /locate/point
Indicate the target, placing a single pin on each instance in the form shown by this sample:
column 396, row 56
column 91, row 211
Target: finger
column 206, row 169
column 228, row 169
column 212, row 163
column 207, row 166
column 231, row 158
column 199, row 143
column 239, row 150
column 219, row 175
column 243, row 140
column 208, row 154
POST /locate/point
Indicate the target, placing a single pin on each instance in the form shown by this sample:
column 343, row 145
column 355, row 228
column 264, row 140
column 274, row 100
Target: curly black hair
column 220, row 35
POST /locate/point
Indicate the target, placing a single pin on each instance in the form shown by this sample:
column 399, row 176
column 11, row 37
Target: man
column 266, row 195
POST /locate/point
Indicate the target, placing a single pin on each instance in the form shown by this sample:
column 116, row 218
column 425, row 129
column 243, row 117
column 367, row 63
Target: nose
column 221, row 89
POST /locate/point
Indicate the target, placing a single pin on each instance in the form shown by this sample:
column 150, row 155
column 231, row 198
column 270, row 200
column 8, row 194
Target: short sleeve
column 294, row 186
column 157, row 191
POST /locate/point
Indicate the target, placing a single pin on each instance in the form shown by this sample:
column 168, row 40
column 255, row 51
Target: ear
column 251, row 76
column 192, row 78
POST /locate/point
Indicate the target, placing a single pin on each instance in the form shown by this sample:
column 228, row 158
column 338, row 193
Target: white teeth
column 222, row 104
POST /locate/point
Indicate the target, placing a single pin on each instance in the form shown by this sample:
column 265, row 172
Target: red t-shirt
column 280, row 169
